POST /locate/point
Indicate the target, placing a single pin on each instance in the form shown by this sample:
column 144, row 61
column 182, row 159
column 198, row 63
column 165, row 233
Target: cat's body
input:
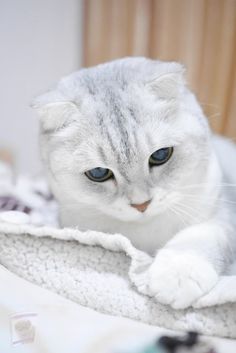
column 112, row 118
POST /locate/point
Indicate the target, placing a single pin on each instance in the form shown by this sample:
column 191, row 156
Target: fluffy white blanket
column 101, row 271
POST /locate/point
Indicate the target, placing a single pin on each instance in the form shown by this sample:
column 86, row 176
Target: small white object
column 15, row 217
column 23, row 328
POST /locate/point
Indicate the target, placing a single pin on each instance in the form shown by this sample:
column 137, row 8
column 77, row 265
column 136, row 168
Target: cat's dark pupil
column 161, row 154
column 98, row 173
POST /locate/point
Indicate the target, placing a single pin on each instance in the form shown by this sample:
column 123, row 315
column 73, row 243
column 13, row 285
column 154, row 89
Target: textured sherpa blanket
column 101, row 271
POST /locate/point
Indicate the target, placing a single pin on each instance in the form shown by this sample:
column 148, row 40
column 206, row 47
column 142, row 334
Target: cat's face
column 126, row 144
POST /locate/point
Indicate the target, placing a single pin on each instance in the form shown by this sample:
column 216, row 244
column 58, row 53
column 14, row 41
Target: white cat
column 128, row 150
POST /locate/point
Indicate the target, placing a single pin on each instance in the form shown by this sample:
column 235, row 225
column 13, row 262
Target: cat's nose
column 141, row 207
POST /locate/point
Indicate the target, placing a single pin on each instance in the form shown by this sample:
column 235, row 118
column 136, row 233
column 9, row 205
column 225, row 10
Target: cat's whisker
column 198, row 187
column 186, row 212
column 206, row 184
column 214, row 199
column 171, row 208
column 184, row 217
column 196, row 211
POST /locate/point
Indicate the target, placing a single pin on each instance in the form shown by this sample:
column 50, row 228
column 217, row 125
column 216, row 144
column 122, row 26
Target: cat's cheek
column 180, row 279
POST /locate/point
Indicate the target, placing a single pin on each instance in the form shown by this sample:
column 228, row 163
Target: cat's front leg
column 189, row 265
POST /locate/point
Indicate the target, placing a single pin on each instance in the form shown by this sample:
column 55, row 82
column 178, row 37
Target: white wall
column 40, row 41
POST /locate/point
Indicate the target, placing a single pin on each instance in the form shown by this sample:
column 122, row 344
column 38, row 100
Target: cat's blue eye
column 99, row 174
column 160, row 156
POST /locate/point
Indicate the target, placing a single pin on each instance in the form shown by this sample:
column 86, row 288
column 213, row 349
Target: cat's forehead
column 117, row 122
column 119, row 104
column 122, row 136
column 124, row 124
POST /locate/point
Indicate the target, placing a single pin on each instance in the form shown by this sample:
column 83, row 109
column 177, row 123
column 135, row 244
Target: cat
column 127, row 149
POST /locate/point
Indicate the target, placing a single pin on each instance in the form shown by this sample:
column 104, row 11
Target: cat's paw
column 179, row 279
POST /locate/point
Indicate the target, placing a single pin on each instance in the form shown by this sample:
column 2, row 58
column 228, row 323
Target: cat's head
column 123, row 137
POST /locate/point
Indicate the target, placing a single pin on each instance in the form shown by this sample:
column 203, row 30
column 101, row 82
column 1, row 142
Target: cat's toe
column 180, row 279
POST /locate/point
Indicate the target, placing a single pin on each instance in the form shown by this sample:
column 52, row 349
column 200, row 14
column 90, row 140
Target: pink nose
column 141, row 207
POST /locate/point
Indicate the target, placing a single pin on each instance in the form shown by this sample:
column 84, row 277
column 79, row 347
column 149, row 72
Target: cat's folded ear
column 54, row 110
column 169, row 84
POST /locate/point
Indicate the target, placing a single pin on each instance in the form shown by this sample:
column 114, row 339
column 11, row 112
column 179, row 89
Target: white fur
column 187, row 221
